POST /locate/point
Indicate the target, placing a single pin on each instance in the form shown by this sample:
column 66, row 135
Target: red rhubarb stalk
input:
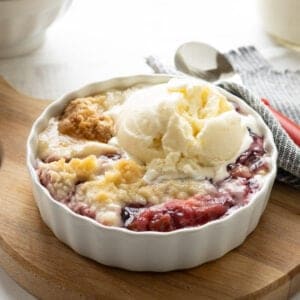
column 292, row 129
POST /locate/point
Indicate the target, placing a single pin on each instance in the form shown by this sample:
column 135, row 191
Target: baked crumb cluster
column 84, row 118
column 82, row 165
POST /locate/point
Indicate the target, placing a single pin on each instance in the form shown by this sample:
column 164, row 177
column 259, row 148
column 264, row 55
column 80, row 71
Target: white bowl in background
column 23, row 23
column 146, row 251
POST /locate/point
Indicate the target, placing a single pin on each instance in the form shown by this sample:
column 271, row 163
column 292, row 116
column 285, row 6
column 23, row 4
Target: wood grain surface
column 266, row 266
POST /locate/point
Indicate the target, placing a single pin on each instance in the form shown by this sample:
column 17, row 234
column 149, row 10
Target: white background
column 98, row 39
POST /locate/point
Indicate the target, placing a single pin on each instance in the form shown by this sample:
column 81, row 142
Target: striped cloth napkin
column 281, row 88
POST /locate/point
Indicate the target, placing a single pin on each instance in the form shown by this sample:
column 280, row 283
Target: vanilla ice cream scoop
column 186, row 117
column 143, row 121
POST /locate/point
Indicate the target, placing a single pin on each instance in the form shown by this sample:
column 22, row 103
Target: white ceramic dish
column 23, row 23
column 146, row 251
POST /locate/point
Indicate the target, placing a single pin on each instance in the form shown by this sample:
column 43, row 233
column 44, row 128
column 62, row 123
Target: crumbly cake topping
column 84, row 118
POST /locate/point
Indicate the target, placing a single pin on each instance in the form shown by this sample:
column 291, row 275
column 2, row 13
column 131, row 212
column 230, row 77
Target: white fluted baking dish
column 146, row 251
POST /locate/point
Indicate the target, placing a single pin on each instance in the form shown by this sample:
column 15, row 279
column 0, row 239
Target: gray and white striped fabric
column 281, row 88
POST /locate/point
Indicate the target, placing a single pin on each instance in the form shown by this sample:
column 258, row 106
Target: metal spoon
column 203, row 61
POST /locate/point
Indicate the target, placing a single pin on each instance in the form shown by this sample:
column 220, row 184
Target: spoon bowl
column 203, row 61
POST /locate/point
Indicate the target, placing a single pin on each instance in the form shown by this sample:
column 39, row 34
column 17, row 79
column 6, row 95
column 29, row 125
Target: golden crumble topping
column 82, row 169
column 84, row 118
column 125, row 171
column 60, row 176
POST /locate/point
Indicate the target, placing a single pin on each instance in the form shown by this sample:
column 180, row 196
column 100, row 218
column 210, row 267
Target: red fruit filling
column 82, row 209
column 249, row 162
column 197, row 210
column 177, row 214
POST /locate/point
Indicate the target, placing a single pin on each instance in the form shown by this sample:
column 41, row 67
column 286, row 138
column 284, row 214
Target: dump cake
column 153, row 158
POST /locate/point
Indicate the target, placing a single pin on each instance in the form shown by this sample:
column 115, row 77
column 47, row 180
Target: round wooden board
column 266, row 266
